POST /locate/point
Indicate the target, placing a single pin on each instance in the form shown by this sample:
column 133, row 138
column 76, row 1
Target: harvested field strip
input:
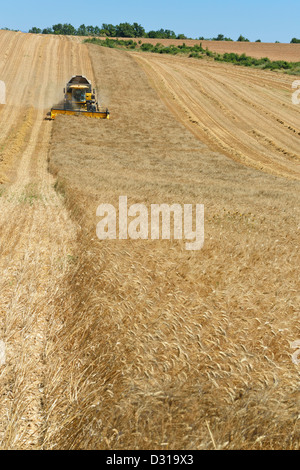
column 246, row 114
column 36, row 234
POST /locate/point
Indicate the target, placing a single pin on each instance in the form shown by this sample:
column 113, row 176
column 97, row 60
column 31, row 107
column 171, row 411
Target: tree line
column 122, row 30
column 127, row 30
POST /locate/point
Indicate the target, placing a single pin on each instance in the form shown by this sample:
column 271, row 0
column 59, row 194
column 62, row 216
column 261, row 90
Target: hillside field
column 142, row 344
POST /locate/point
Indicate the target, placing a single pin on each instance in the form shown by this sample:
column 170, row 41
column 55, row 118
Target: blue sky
column 268, row 20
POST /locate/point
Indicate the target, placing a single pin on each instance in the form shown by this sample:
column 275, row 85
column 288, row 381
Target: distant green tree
column 181, row 36
column 295, row 41
column 68, row 29
column 258, row 40
column 139, row 31
column 35, row 30
column 57, row 28
column 90, row 30
column 9, row 29
column 162, row 34
column 152, row 34
column 97, row 31
column 220, row 37
column 243, row 39
column 47, row 31
column 110, row 30
column 82, row 31
column 170, row 34
column 125, row 30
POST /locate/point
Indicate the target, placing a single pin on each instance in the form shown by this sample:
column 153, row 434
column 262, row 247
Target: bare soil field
column 142, row 344
column 169, row 349
column 288, row 52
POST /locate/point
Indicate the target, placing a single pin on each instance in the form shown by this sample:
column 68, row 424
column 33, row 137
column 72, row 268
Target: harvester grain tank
column 80, row 99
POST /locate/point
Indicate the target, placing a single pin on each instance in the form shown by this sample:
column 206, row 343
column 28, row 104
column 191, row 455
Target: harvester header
column 79, row 99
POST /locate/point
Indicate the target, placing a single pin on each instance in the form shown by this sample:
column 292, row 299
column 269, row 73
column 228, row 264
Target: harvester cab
column 79, row 99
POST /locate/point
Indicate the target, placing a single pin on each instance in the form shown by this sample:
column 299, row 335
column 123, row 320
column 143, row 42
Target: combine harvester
column 80, row 99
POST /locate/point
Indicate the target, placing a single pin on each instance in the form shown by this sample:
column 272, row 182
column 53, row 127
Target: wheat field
column 142, row 344
column 179, row 342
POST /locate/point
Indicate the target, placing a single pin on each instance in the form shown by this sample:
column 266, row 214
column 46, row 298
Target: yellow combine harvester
column 79, row 99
